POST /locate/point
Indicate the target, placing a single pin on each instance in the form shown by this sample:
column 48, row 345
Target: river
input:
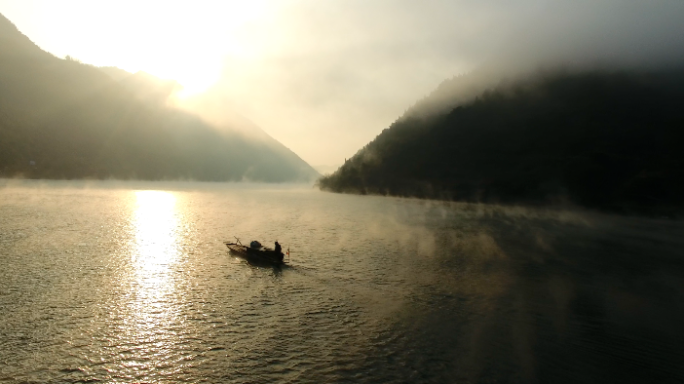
column 131, row 282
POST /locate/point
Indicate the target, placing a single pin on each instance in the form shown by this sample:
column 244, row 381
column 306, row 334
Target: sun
column 182, row 41
column 194, row 40
column 195, row 75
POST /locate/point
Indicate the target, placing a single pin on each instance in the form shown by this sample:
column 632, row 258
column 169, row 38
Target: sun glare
column 147, row 314
column 155, row 238
column 196, row 77
column 183, row 41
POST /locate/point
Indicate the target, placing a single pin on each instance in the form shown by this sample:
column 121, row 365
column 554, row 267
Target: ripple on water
column 131, row 283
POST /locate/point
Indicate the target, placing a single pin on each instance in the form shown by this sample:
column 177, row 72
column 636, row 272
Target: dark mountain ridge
column 602, row 139
column 65, row 119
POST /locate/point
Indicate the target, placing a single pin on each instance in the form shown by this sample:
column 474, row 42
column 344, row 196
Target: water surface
column 131, row 282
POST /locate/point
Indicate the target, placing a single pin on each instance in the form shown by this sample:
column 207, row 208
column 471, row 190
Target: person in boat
column 277, row 247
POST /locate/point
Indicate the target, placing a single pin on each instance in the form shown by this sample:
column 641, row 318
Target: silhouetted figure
column 277, row 247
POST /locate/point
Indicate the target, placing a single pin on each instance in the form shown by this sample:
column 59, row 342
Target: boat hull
column 264, row 255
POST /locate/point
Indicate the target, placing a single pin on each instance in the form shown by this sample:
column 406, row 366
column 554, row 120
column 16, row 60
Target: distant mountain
column 116, row 73
column 65, row 119
column 601, row 139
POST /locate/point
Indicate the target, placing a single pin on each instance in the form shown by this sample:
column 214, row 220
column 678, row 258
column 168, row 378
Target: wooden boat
column 260, row 254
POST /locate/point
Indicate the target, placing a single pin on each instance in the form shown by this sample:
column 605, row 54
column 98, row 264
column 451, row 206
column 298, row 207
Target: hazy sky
column 324, row 77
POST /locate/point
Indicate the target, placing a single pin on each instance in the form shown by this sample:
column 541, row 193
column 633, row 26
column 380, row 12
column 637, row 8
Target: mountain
column 609, row 140
column 116, row 73
column 65, row 119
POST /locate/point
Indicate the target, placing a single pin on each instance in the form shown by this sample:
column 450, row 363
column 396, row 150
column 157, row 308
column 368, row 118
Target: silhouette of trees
column 608, row 140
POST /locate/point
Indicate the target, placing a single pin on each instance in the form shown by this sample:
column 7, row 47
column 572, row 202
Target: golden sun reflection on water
column 148, row 328
column 154, row 256
column 155, row 222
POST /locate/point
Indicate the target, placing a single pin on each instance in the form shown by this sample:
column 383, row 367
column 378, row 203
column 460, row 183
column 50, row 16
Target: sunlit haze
column 181, row 41
column 325, row 77
column 336, row 191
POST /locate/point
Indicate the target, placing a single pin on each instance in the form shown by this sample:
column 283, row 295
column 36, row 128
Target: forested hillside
column 602, row 139
column 64, row 119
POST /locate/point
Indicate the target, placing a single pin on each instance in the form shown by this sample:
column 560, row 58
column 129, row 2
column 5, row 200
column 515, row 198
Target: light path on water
column 131, row 282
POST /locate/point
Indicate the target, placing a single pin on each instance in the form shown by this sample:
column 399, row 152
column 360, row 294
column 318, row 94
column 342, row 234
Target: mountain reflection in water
column 130, row 282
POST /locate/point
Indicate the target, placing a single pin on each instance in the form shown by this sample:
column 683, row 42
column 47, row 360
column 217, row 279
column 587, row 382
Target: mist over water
column 130, row 282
